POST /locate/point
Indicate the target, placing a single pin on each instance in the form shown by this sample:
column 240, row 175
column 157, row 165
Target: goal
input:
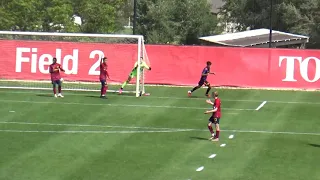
column 26, row 57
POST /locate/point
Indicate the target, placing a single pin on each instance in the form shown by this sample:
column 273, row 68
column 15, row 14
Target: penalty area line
column 88, row 132
column 273, row 132
column 145, row 129
column 94, row 125
column 28, row 91
column 261, row 105
column 117, row 105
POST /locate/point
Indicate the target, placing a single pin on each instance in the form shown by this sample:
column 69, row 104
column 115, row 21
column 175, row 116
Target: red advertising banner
column 175, row 65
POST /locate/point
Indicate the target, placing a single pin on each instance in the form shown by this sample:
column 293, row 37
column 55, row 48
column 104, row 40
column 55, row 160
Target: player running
column 215, row 117
column 54, row 70
column 134, row 72
column 203, row 80
column 103, row 77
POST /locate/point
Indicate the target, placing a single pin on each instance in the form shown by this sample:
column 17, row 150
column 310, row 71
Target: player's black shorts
column 103, row 82
column 57, row 82
column 214, row 120
column 203, row 82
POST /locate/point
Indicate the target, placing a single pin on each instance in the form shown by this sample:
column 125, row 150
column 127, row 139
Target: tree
column 315, row 28
column 20, row 15
column 59, row 16
column 152, row 21
column 294, row 16
column 175, row 21
column 99, row 16
column 191, row 20
column 36, row 15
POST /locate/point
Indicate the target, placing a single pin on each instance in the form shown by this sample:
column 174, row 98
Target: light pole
column 270, row 25
column 134, row 16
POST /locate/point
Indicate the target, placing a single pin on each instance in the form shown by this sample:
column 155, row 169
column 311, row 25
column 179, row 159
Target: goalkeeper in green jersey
column 134, row 72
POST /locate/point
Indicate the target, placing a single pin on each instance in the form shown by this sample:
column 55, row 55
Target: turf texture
column 159, row 137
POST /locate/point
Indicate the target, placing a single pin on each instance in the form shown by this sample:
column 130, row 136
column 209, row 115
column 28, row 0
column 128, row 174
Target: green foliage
column 294, row 16
column 175, row 21
column 60, row 14
column 161, row 21
column 98, row 16
column 19, row 15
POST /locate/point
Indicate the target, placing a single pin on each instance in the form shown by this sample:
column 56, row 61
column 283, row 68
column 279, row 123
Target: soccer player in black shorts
column 215, row 117
column 54, row 70
column 203, row 80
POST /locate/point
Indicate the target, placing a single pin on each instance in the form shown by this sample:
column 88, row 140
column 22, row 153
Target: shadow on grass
column 125, row 94
column 196, row 97
column 315, row 145
column 199, row 138
column 92, row 96
column 44, row 95
column 97, row 97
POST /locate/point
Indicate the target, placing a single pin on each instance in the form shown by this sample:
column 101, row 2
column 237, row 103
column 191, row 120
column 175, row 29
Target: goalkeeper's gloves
column 149, row 68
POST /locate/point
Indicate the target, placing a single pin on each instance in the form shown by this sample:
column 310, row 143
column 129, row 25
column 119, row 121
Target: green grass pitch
column 159, row 137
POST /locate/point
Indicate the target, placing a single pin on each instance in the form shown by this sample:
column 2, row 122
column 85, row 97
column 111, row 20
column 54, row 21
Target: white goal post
column 28, row 55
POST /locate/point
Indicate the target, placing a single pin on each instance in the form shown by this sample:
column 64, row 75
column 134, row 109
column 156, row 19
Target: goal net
column 25, row 58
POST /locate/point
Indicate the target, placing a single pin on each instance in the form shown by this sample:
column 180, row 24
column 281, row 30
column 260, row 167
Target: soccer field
column 159, row 137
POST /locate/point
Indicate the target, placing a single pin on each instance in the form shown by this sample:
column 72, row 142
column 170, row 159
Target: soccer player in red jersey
column 203, row 80
column 54, row 70
column 103, row 77
column 215, row 117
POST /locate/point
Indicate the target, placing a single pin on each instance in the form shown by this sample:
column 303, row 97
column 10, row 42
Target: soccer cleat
column 120, row 91
column 103, row 97
column 60, row 95
column 189, row 93
column 55, row 95
column 215, row 139
column 212, row 137
column 208, row 95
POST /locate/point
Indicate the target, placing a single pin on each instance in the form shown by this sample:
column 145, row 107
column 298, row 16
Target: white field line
column 117, row 105
column 162, row 85
column 89, row 125
column 200, row 168
column 261, row 105
column 162, row 97
column 85, row 132
column 162, row 129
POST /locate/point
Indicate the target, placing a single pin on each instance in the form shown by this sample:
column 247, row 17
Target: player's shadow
column 91, row 96
column 199, row 138
column 44, row 95
column 194, row 97
column 315, row 145
column 125, row 94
